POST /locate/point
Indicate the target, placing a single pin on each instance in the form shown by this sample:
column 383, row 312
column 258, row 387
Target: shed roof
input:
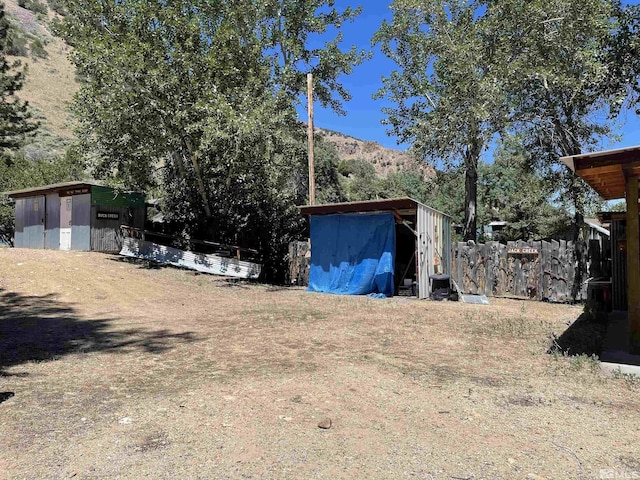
column 606, row 171
column 385, row 205
column 54, row 187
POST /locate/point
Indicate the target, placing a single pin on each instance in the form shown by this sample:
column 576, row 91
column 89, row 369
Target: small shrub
column 34, row 5
column 632, row 380
column 58, row 7
column 38, row 50
column 16, row 43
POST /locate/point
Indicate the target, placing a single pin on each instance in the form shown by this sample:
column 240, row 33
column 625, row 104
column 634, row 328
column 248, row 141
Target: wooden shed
column 75, row 216
column 422, row 237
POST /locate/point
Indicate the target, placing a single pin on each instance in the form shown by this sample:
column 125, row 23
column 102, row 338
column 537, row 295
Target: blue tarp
column 352, row 254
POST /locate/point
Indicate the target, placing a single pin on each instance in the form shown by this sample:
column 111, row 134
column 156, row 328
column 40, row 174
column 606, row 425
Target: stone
column 325, row 424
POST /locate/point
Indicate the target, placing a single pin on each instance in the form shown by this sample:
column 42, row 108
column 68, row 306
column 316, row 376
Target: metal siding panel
column 18, row 236
column 52, row 222
column 81, row 222
column 434, row 241
column 425, row 267
column 106, row 235
column 33, row 231
column 231, row 267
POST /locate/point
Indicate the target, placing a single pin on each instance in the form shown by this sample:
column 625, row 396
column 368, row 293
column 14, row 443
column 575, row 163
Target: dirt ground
column 119, row 370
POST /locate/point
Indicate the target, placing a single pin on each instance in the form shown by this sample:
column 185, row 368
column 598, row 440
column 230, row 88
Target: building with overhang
column 377, row 246
column 614, row 174
column 75, row 216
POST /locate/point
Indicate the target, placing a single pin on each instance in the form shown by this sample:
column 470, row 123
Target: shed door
column 33, row 229
column 66, row 208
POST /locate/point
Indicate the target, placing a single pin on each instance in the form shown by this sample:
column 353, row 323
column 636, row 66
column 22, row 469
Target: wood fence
column 299, row 263
column 536, row 270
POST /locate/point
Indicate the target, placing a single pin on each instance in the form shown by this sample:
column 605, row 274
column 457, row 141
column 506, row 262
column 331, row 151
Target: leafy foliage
column 197, row 98
column 34, row 5
column 18, row 172
column 512, row 191
column 447, row 95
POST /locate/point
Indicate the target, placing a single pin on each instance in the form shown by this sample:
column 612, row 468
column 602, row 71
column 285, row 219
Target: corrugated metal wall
column 81, row 222
column 18, row 237
column 105, row 233
column 434, row 246
column 33, row 226
column 52, row 222
column 618, row 266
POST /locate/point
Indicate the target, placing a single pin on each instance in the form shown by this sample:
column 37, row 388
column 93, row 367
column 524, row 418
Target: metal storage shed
column 422, row 236
column 75, row 216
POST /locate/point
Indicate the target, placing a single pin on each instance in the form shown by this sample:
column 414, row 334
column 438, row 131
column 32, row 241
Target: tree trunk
column 196, row 169
column 471, row 191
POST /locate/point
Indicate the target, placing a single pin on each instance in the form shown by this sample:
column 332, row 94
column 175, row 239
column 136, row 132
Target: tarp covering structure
column 352, row 254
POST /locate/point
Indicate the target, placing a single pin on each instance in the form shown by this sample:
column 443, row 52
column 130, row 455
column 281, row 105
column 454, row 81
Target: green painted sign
column 110, row 197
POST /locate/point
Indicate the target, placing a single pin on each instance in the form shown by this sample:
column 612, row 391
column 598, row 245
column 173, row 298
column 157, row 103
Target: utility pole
column 312, row 180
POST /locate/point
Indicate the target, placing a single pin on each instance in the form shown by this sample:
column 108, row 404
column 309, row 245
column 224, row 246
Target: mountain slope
column 384, row 160
column 51, row 84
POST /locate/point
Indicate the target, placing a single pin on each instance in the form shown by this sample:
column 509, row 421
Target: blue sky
column 364, row 114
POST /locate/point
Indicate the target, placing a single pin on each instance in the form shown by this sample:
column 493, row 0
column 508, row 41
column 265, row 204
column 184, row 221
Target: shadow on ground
column 140, row 263
column 41, row 328
column 584, row 336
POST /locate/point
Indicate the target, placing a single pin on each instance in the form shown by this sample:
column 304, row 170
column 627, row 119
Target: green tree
column 329, row 184
column 447, row 95
column 198, row 97
column 567, row 73
column 511, row 190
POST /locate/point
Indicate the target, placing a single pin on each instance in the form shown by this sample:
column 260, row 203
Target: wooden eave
column 606, row 172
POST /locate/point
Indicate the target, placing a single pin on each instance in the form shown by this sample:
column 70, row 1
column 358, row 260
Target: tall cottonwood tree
column 446, row 94
column 198, row 97
column 568, row 68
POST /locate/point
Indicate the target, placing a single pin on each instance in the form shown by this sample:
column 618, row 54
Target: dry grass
column 120, row 370
column 51, row 82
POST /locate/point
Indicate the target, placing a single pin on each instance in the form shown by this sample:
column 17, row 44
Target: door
column 52, row 222
column 66, row 207
column 33, row 217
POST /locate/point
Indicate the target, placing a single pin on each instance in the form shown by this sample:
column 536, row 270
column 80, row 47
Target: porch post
column 633, row 264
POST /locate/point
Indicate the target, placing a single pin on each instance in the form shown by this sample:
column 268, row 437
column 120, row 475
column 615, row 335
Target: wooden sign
column 522, row 251
column 107, row 215
column 75, row 191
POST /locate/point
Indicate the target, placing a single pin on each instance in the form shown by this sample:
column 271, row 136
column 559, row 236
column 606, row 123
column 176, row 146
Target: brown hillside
column 385, row 160
column 51, row 82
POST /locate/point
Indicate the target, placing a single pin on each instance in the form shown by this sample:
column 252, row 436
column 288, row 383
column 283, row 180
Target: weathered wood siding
column 299, row 263
column 536, row 270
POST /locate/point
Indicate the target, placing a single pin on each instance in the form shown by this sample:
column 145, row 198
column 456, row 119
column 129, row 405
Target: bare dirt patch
column 124, row 371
